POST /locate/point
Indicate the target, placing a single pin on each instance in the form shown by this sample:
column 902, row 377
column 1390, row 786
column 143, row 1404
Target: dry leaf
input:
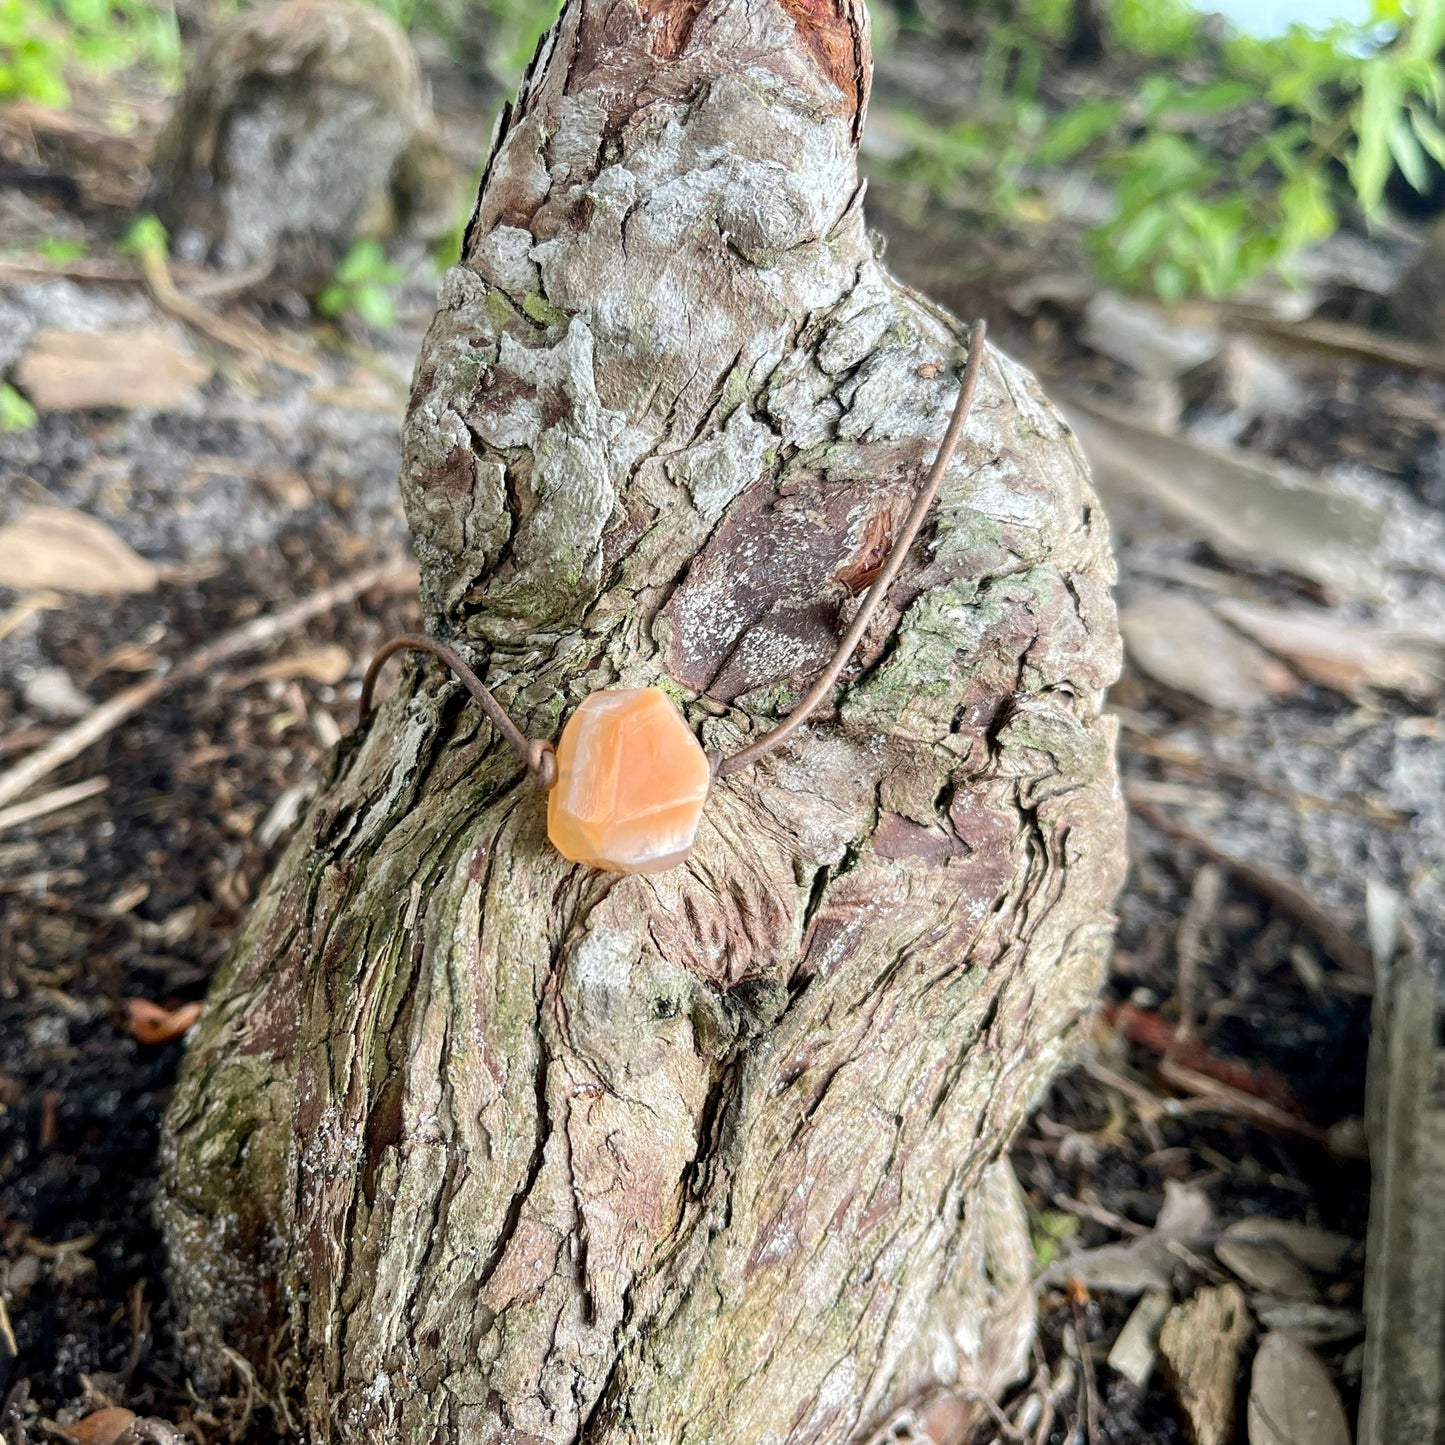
column 327, row 664
column 1200, row 1343
column 1266, row 1267
column 1318, row 1248
column 71, row 552
column 1292, row 1400
column 149, row 1023
column 1182, row 644
column 1241, row 504
column 102, row 1427
column 143, row 368
column 1351, row 658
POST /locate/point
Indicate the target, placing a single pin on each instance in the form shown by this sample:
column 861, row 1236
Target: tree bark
column 473, row 1145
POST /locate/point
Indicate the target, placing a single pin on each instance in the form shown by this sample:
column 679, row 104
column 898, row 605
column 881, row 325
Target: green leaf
column 333, row 300
column 1428, row 134
column 16, row 414
column 1170, row 281
column 1427, row 30
column 373, row 304
column 1408, row 156
column 1380, row 104
column 1077, row 129
column 145, row 236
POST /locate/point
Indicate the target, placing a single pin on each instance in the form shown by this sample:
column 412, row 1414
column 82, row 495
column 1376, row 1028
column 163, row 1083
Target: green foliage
column 44, row 43
column 59, row 249
column 1049, row 1231
column 145, row 236
column 16, row 414
column 510, row 28
column 1193, row 213
column 362, row 286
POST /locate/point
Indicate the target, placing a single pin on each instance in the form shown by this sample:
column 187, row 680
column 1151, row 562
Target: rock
column 1144, row 338
column 631, row 783
column 302, row 126
column 146, row 368
column 1417, row 304
column 53, row 694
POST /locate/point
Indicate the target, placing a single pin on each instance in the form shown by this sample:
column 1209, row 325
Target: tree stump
column 474, row 1145
column 302, row 126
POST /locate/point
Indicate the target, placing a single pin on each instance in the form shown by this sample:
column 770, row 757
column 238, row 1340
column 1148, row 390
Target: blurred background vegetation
column 1224, row 153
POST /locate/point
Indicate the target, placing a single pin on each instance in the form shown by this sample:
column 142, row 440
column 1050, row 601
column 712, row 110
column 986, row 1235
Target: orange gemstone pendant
column 631, row 783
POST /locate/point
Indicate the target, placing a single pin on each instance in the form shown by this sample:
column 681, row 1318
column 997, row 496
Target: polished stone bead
column 631, row 783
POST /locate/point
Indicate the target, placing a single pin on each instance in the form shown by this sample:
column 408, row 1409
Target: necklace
column 627, row 780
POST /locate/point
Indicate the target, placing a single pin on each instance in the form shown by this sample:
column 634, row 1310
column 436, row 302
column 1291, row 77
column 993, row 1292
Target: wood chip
column 1135, row 1352
column 1292, row 1400
column 1200, row 1344
column 327, row 664
column 149, row 1023
column 67, row 551
column 1350, row 658
column 144, row 368
column 102, row 1427
column 1182, row 644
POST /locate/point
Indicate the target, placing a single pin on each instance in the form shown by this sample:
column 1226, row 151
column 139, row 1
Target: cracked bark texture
column 473, row 1145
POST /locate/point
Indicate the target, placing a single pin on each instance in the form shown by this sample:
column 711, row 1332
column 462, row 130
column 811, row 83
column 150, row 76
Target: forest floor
column 1276, row 487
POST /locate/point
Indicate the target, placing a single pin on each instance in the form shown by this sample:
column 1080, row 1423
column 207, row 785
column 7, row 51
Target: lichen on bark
column 477, row 1146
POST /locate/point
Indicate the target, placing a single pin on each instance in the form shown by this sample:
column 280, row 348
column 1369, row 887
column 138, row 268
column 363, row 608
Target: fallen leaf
column 1266, row 1267
column 1320, row 1249
column 327, row 664
column 1349, row 657
column 1186, row 1212
column 102, row 1427
column 1243, row 506
column 1311, row 1324
column 145, row 368
column 70, row 552
column 1200, row 1343
column 1292, row 1400
column 1182, row 644
column 149, row 1023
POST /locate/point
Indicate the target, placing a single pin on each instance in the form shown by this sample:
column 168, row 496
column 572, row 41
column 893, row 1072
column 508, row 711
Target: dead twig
column 51, row 802
column 1144, row 741
column 234, row 334
column 1212, row 1096
column 1284, row 893
column 1341, row 338
column 1088, row 1384
column 1193, row 944
column 74, row 740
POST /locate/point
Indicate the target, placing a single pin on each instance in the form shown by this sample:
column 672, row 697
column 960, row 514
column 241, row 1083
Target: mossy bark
column 477, row 1146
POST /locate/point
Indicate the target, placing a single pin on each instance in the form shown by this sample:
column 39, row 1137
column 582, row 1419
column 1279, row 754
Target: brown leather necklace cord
column 821, row 689
column 538, row 754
